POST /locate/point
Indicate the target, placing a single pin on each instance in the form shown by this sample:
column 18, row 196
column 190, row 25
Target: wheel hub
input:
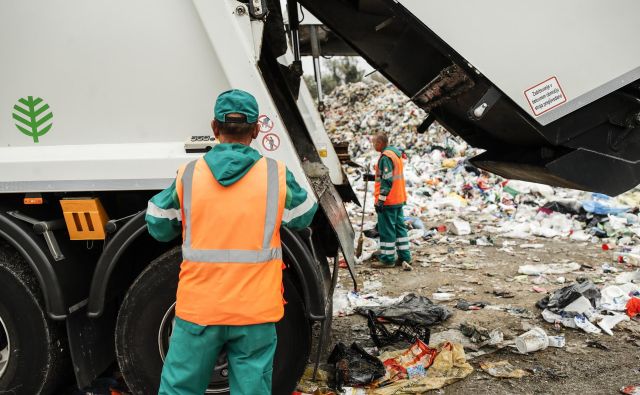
column 5, row 348
column 219, row 383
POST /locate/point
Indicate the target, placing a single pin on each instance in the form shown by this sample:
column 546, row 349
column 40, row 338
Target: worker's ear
column 255, row 132
column 215, row 128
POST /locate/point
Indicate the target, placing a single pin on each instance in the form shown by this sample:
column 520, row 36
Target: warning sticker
column 545, row 96
column 266, row 123
column 271, row 142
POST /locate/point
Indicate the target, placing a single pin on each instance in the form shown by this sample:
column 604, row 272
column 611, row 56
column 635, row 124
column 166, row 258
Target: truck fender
column 297, row 253
column 33, row 250
column 109, row 259
column 308, row 273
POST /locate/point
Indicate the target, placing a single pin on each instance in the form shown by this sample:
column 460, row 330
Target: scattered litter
column 579, row 306
column 414, row 308
column 628, row 277
column 631, row 389
column 444, row 188
column 602, row 204
column 583, row 323
column 561, row 298
column 450, row 365
column 483, row 241
column 597, row 344
column 411, row 363
column 459, row 228
column 308, row 385
column 552, row 268
column 557, row 341
column 533, row 246
column 609, row 321
column 480, row 335
column 354, row 366
column 534, row 340
column 406, row 330
column 633, row 307
column 502, row 369
column 345, row 302
column 613, row 298
column 501, row 293
column 442, row 296
column 466, row 306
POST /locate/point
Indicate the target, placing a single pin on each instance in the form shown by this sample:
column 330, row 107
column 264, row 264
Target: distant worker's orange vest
column 398, row 193
column 231, row 272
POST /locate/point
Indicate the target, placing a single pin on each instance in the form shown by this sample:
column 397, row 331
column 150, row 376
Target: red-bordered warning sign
column 545, row 96
column 266, row 123
column 271, row 142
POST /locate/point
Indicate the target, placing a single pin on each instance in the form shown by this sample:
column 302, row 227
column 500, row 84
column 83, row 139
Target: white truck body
column 128, row 84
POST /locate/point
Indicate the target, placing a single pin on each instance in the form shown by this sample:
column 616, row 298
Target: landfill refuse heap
column 447, row 190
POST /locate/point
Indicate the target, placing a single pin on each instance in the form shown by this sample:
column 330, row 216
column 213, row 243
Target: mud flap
column 336, row 213
column 91, row 343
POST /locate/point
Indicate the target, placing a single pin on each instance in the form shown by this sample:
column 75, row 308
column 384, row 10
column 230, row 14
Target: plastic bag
column 566, row 295
column 412, row 363
column 354, row 366
column 412, row 308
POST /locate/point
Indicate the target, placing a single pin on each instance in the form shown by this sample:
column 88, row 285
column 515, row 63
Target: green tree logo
column 31, row 119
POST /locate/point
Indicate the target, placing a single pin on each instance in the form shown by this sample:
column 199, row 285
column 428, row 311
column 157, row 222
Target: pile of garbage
column 582, row 305
column 445, row 187
column 414, row 370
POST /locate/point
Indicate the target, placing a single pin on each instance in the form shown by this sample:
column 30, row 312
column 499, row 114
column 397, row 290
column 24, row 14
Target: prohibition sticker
column 545, row 96
column 271, row 142
column 266, row 123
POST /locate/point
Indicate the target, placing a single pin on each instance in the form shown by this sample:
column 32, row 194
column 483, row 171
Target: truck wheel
column 145, row 322
column 32, row 347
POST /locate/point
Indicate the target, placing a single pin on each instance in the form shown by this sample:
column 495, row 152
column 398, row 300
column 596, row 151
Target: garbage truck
column 102, row 101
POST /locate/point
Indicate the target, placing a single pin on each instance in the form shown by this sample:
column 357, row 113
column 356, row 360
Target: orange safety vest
column 398, row 192
column 231, row 272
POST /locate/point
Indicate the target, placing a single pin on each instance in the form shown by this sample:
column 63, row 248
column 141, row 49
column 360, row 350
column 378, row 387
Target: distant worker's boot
column 379, row 264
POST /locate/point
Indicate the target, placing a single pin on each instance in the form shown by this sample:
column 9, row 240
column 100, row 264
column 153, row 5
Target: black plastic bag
column 354, row 366
column 560, row 208
column 563, row 297
column 411, row 309
column 408, row 331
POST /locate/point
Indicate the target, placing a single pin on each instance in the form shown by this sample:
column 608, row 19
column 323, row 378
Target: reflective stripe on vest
column 233, row 256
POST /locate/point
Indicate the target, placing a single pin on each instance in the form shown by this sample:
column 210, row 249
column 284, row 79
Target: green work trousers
column 393, row 235
column 194, row 349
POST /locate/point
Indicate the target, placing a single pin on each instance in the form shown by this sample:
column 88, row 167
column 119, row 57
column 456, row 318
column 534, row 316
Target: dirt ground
column 473, row 273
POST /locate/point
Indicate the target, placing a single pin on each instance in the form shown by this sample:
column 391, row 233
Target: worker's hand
column 379, row 206
column 369, row 177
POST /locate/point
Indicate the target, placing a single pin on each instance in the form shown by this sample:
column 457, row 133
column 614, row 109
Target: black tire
column 153, row 294
column 37, row 346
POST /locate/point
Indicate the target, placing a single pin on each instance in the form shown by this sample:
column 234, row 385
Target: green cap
column 236, row 101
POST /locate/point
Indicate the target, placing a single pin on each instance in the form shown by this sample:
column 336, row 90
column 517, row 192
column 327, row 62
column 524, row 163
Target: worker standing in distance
column 390, row 195
column 228, row 206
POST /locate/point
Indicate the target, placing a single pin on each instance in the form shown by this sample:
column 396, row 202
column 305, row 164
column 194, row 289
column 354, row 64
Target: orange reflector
column 32, row 200
column 85, row 218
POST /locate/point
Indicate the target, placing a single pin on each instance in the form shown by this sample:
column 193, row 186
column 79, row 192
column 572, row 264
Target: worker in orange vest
column 228, row 206
column 390, row 195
